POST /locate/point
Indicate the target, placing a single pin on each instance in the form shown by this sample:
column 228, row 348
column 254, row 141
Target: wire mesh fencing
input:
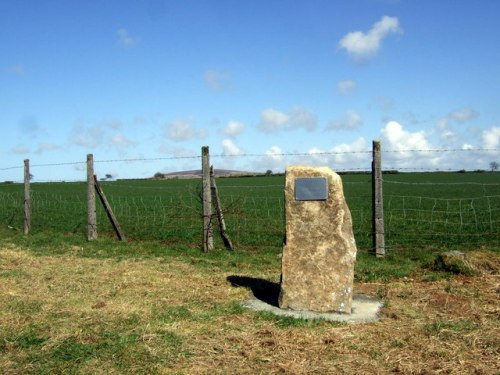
column 450, row 210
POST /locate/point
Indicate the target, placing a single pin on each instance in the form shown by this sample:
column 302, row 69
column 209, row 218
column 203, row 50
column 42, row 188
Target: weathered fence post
column 378, row 202
column 218, row 211
column 208, row 240
column 109, row 211
column 91, row 206
column 27, row 197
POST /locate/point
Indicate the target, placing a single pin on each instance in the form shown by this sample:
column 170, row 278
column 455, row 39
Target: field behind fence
column 448, row 210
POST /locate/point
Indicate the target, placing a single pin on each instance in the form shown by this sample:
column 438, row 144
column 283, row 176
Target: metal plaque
column 311, row 189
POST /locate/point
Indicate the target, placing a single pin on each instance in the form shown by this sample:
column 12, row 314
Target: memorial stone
column 319, row 250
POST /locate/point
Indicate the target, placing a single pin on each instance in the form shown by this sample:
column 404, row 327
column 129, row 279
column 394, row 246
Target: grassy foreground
column 68, row 306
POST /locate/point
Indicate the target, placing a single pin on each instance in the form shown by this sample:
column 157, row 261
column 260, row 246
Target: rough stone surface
column 319, row 250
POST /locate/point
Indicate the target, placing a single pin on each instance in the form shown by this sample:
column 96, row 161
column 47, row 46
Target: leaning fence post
column 218, row 210
column 208, row 240
column 109, row 211
column 91, row 206
column 378, row 202
column 27, row 197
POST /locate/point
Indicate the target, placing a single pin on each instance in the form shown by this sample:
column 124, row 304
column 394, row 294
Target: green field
column 422, row 210
column 158, row 305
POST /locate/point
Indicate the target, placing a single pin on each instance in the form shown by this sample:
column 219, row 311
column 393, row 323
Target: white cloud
column 411, row 150
column 302, row 118
column 361, row 46
column 274, row 151
column 463, row 115
column 181, row 130
column 120, row 140
column 44, row 147
column 351, row 156
column 233, row 128
column 273, row 159
column 217, row 80
column 104, row 134
column 315, row 156
column 230, row 149
column 86, row 136
column 21, row 149
column 351, row 120
column 356, row 146
column 347, row 87
column 272, row 120
column 491, row 138
column 444, row 126
column 444, row 130
column 125, row 39
column 345, row 156
column 396, row 138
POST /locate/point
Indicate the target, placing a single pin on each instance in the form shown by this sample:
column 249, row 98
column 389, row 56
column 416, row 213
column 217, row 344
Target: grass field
column 68, row 306
column 158, row 305
column 422, row 210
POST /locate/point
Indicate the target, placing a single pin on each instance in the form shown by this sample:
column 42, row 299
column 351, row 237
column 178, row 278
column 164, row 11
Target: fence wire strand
column 450, row 211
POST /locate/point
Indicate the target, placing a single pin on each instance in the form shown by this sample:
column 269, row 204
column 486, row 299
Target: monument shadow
column 264, row 290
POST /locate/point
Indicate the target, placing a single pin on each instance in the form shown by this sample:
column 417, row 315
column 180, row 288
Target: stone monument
column 319, row 250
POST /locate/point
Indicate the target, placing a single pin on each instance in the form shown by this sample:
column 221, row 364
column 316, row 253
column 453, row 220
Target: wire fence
column 422, row 209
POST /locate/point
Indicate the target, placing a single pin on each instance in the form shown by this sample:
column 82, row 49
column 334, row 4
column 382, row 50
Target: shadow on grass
column 264, row 290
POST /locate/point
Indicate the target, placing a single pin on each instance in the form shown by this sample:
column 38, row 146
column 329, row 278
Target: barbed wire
column 293, row 154
column 463, row 199
column 438, row 183
column 148, row 159
column 410, row 219
column 444, row 150
column 243, row 155
column 44, row 165
column 355, row 152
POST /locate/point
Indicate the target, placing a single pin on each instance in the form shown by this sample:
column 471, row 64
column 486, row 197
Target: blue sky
column 158, row 79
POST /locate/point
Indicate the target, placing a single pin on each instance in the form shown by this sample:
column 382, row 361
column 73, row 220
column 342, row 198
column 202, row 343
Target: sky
column 264, row 84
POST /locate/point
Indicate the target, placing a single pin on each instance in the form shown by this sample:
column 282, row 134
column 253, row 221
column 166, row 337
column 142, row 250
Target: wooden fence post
column 208, row 240
column 109, row 211
column 91, row 206
column 27, row 197
column 218, row 211
column 378, row 202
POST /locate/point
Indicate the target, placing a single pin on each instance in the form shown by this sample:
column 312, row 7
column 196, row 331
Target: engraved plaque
column 311, row 189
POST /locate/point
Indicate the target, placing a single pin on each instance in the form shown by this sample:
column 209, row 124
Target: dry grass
column 69, row 314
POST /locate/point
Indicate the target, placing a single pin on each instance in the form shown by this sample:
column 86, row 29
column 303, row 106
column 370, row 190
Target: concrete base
column 364, row 309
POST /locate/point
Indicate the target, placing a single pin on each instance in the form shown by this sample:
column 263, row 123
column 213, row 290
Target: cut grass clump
column 454, row 262
column 472, row 263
